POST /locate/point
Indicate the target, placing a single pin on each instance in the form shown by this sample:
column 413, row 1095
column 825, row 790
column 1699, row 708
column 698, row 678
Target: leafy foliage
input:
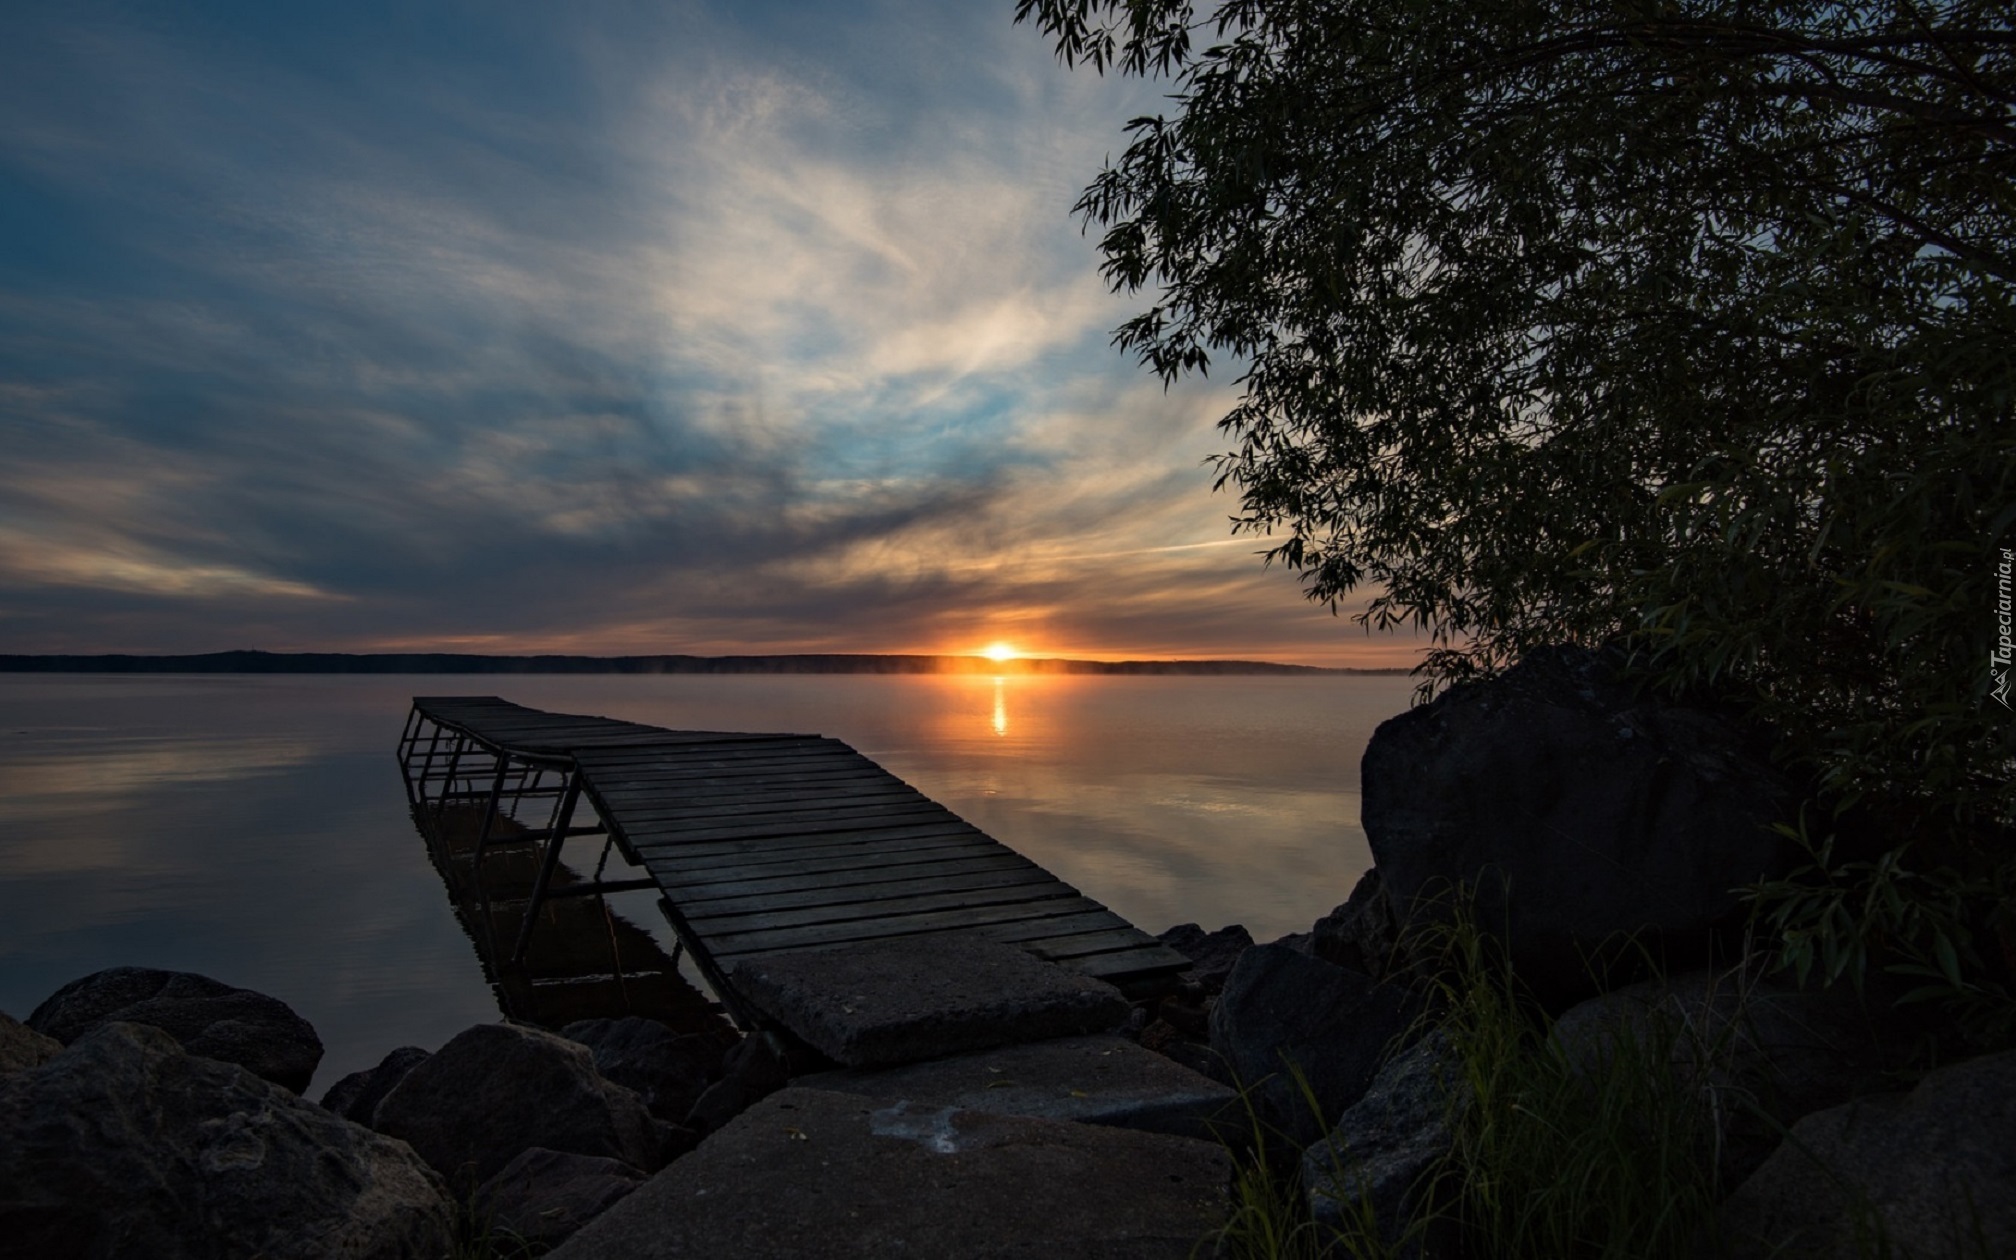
column 1680, row 323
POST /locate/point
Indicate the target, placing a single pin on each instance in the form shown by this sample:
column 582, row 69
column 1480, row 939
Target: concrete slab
column 1092, row 1080
column 812, row 1173
column 924, row 997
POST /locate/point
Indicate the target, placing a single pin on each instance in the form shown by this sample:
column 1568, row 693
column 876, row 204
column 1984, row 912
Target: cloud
column 698, row 328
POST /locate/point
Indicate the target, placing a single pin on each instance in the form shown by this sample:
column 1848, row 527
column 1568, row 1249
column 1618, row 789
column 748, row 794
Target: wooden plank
column 782, row 813
column 687, row 880
column 1012, row 931
column 757, row 780
column 886, row 909
column 749, row 896
column 684, row 842
column 896, row 925
column 1126, row 964
column 785, row 848
column 852, row 792
column 725, row 753
column 766, row 828
column 1087, row 921
column 1080, row 944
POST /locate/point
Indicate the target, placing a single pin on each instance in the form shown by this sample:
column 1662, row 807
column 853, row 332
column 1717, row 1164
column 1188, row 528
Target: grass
column 1605, row 1151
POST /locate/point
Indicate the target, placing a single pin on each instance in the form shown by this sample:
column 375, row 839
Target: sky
column 750, row 326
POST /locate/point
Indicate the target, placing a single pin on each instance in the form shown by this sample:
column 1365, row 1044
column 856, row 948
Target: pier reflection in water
column 583, row 960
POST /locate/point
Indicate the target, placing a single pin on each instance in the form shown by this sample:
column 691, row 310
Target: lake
column 254, row 828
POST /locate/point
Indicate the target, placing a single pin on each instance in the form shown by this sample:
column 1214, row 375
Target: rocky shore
column 957, row 1097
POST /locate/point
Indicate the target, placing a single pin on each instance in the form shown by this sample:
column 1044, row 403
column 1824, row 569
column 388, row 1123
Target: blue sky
column 593, row 327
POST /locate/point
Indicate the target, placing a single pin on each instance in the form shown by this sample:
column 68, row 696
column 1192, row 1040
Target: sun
column 999, row 652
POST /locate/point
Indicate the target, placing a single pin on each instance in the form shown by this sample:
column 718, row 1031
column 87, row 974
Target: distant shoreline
column 247, row 662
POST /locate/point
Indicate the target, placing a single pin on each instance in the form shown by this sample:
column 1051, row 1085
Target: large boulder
column 1579, row 812
column 125, row 1145
column 496, row 1090
column 21, row 1047
column 1759, row 1053
column 810, row 1173
column 1933, row 1172
column 1284, row 1013
column 1375, row 1161
column 665, row 1069
column 356, row 1096
column 215, row 1020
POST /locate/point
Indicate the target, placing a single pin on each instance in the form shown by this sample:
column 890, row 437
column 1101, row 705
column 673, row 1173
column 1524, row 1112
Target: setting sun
column 999, row 652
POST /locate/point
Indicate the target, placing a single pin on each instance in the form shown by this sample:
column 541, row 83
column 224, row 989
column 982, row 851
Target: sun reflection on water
column 1000, row 706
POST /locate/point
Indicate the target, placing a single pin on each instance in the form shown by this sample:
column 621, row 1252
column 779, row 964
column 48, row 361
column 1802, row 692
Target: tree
column 1685, row 324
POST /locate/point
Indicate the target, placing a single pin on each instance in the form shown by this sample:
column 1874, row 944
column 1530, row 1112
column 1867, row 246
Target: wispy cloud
column 704, row 328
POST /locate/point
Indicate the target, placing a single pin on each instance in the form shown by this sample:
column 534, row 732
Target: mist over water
column 254, row 828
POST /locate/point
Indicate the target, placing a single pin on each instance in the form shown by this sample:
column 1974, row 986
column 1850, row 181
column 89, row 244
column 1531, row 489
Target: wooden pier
column 756, row 843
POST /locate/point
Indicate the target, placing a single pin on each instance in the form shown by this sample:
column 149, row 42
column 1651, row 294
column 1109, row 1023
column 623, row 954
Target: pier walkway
column 756, row 843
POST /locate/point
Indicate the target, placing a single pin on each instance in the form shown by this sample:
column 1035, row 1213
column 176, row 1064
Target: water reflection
column 583, row 960
column 254, row 828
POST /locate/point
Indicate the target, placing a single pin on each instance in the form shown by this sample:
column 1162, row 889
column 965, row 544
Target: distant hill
column 465, row 663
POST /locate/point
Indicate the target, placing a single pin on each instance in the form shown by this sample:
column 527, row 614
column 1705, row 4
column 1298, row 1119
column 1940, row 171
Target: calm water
column 255, row 829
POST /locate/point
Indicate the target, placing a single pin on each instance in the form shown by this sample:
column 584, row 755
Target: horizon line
column 265, row 661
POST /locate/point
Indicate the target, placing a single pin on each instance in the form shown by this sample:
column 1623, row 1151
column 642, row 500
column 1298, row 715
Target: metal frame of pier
column 756, row 843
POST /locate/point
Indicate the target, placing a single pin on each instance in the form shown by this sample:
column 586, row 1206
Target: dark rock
column 1092, row 1080
column 125, row 1145
column 1767, row 1052
column 356, row 1096
column 1192, row 1019
column 924, row 997
column 21, row 1047
column 811, row 1173
column 1303, row 943
column 675, row 1140
column 1934, row 1170
column 498, row 1089
column 1579, row 812
column 259, row 1033
column 757, row 1066
column 1386, row 1142
column 667, row 1070
column 1163, row 1038
column 542, row 1197
column 1282, row 1010
column 1361, row 934
column 1211, row 954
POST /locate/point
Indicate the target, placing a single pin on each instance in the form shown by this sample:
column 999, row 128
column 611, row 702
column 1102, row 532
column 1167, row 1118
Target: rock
column 1211, row 954
column 811, row 1173
column 496, row 1090
column 21, row 1047
column 1934, row 1170
column 758, row 1065
column 1282, row 1009
column 542, row 1197
column 125, row 1145
column 356, row 1096
column 1387, row 1141
column 668, row 1071
column 209, row 1018
column 1749, row 1045
column 924, row 997
column 1093, row 1080
column 1578, row 812
column 1361, row 934
column 1303, row 943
